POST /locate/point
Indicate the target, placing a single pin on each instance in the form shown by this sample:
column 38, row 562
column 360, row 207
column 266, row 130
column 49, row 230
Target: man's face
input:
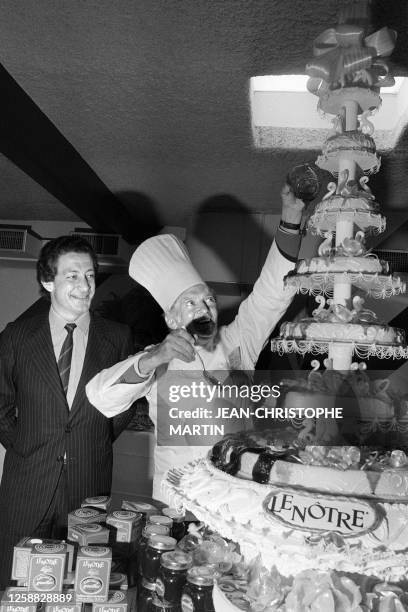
column 196, row 310
column 73, row 287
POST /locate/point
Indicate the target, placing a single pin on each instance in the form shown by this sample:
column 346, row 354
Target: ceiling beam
column 34, row 144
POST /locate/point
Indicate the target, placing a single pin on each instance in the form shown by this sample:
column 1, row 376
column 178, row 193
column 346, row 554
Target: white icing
column 238, row 514
column 341, row 331
column 340, row 264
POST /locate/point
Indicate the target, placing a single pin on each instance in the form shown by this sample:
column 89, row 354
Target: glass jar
column 159, row 519
column 157, row 605
column 172, row 575
column 156, row 546
column 178, row 529
column 148, row 531
column 197, row 592
column 145, row 595
column 304, row 181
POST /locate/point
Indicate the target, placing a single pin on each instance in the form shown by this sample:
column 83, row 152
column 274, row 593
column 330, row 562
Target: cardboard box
column 117, row 580
column 88, row 533
column 103, row 502
column 15, row 599
column 117, row 602
column 140, row 506
column 93, row 568
column 47, row 567
column 81, row 516
column 21, row 557
column 126, row 523
column 65, row 604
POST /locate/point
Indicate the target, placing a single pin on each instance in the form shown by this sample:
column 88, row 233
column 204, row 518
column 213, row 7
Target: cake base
column 235, row 508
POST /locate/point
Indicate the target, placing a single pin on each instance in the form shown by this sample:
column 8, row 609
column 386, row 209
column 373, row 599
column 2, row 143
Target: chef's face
column 73, row 286
column 195, row 310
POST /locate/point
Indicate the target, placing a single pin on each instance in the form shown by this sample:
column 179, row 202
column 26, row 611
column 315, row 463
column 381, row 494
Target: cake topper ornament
column 346, row 73
column 350, row 55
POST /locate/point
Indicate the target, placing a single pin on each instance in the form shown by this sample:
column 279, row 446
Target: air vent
column 398, row 260
column 13, row 239
column 111, row 249
column 103, row 244
column 19, row 242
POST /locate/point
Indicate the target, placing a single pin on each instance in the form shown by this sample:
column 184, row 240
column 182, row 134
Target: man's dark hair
column 48, row 260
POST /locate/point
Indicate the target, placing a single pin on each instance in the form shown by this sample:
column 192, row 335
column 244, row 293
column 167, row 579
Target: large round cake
column 299, row 516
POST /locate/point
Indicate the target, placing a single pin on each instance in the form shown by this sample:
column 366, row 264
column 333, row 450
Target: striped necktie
column 64, row 360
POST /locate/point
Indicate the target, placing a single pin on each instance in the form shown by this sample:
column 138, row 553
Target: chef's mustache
column 202, row 326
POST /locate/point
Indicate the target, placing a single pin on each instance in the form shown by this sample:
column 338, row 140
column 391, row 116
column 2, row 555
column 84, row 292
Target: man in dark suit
column 58, row 446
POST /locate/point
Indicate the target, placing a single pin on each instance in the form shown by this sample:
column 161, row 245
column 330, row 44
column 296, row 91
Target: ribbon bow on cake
column 343, row 57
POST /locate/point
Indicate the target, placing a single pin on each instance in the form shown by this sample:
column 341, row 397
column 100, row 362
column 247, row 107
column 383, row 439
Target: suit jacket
column 44, row 428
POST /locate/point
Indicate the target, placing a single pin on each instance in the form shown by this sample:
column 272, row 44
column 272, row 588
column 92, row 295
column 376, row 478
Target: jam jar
column 172, row 575
column 146, row 593
column 157, row 605
column 178, row 529
column 148, row 531
column 159, row 519
column 197, row 592
column 156, row 546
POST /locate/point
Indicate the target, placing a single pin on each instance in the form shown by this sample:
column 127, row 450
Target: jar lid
column 177, row 517
column 176, row 560
column 162, row 542
column 150, row 530
column 158, row 519
column 201, row 575
column 150, row 586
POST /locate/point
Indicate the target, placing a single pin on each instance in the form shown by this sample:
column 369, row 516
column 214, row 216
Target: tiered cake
column 301, row 505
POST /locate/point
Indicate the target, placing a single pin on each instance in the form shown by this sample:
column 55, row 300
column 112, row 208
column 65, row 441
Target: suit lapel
column 39, row 349
column 97, row 351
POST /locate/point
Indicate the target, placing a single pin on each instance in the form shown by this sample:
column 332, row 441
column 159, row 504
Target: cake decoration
column 321, row 510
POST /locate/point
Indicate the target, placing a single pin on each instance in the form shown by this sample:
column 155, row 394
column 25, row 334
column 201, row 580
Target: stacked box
column 117, row 602
column 126, row 523
column 21, row 558
column 140, row 506
column 81, row 516
column 47, row 567
column 103, row 502
column 89, row 533
column 15, row 599
column 118, row 580
column 93, row 568
column 67, row 603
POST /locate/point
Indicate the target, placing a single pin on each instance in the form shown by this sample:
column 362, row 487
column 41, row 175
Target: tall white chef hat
column 163, row 266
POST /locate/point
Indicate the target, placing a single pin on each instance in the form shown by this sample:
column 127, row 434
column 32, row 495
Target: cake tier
column 370, row 264
column 246, row 512
column 321, row 347
column 353, row 145
column 362, row 211
column 390, row 485
column 318, row 275
column 361, row 333
column 332, row 101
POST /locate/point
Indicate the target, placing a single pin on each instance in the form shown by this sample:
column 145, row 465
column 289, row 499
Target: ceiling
column 133, row 114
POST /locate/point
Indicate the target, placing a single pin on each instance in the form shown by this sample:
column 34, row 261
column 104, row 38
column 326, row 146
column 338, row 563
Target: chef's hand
column 178, row 344
column 292, row 207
